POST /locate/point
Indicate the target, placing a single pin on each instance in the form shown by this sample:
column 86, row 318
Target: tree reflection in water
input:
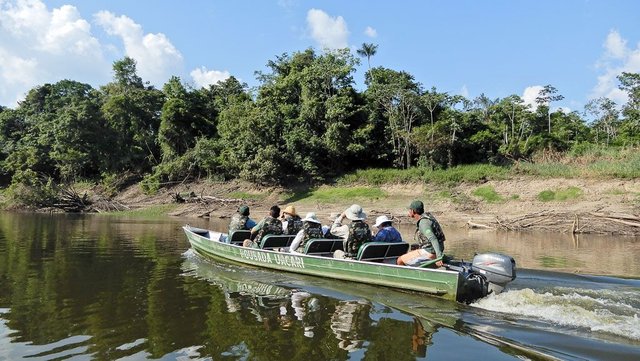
column 304, row 321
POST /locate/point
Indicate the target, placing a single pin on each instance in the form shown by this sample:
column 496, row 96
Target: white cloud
column 464, row 91
column 530, row 94
column 39, row 46
column 203, row 77
column 617, row 58
column 328, row 32
column 615, row 46
column 157, row 59
column 370, row 32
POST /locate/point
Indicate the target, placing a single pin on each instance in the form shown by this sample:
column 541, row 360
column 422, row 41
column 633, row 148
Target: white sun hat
column 355, row 213
column 311, row 217
column 380, row 220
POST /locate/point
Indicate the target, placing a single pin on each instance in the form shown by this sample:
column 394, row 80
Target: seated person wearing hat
column 240, row 220
column 291, row 222
column 354, row 234
column 311, row 229
column 429, row 236
column 386, row 231
column 269, row 225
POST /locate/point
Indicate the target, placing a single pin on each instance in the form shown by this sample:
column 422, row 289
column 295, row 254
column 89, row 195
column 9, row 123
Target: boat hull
column 441, row 283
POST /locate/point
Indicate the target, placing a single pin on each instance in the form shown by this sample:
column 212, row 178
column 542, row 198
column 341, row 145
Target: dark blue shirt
column 388, row 234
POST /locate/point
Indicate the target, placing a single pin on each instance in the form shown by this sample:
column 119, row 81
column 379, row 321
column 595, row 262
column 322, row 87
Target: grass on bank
column 581, row 162
column 148, row 212
column 488, row 194
column 248, row 196
column 560, row 195
column 336, row 194
column 464, row 173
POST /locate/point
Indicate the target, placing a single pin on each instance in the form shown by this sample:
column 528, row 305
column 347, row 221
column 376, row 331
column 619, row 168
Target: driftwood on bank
column 70, row 201
column 210, row 203
column 566, row 222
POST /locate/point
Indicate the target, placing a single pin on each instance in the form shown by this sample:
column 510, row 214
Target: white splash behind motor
column 499, row 269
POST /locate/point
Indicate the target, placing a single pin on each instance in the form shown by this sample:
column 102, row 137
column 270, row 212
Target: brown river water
column 94, row 287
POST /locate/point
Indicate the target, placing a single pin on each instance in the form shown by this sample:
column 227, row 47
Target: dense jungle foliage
column 305, row 122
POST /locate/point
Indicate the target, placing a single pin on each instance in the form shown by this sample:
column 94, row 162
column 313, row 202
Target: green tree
column 606, row 122
column 630, row 127
column 64, row 132
column 433, row 101
column 513, row 120
column 367, row 50
column 132, row 111
column 399, row 96
column 545, row 97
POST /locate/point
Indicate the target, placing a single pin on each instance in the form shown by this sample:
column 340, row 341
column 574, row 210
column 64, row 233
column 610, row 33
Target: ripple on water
column 597, row 310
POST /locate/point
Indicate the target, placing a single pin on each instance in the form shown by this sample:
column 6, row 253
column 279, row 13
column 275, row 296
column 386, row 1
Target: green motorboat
column 375, row 264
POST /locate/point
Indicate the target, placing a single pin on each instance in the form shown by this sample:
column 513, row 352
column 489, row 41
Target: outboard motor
column 497, row 268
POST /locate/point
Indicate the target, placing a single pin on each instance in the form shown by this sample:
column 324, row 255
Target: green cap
column 244, row 210
column 417, row 206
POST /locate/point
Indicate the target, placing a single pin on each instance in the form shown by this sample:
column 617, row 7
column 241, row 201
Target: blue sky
column 497, row 48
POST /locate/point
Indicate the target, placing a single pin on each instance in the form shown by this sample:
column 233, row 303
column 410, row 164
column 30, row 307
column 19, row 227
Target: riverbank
column 609, row 206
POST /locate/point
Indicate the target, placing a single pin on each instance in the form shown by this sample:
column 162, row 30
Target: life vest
column 238, row 222
column 294, row 225
column 359, row 234
column 310, row 230
column 422, row 240
column 271, row 226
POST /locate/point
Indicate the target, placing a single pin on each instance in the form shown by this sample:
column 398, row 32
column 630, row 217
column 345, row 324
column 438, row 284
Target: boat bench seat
column 273, row 241
column 200, row 231
column 323, row 246
column 237, row 237
column 382, row 251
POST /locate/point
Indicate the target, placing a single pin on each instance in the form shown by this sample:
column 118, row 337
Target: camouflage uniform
column 294, row 225
column 270, row 225
column 238, row 222
column 310, row 231
column 359, row 234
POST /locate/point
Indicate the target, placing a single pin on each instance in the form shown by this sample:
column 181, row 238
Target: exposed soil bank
column 602, row 206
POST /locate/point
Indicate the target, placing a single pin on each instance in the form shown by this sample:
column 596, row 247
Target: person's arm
column 250, row 223
column 257, row 228
column 296, row 242
column 339, row 230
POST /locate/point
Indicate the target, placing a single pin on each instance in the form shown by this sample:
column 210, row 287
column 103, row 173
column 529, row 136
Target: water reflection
column 350, row 322
column 356, row 326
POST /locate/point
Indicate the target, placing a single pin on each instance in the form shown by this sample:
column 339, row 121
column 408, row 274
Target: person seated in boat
column 291, row 221
column 354, row 234
column 271, row 224
column 429, row 236
column 326, row 229
column 311, row 229
column 241, row 221
column 386, row 231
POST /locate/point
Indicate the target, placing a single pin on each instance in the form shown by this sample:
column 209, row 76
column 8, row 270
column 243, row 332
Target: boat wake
column 611, row 310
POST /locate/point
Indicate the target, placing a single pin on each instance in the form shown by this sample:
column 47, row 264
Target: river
column 95, row 287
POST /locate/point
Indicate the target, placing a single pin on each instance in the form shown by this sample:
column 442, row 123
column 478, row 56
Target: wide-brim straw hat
column 290, row 210
column 382, row 220
column 355, row 213
column 311, row 217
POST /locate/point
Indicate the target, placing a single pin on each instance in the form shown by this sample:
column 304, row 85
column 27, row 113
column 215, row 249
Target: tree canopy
column 304, row 122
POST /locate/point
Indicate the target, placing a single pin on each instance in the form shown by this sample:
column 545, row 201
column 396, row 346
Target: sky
column 497, row 48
